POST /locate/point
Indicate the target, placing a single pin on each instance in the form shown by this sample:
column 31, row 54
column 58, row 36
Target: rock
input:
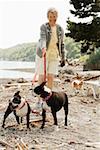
column 67, row 80
column 21, row 80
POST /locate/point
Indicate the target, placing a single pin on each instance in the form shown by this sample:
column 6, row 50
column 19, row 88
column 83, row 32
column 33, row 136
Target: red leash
column 45, row 67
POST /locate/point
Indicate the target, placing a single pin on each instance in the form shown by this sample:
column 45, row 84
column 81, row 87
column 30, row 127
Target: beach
column 82, row 132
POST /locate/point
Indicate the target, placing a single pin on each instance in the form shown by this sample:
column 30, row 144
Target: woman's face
column 52, row 17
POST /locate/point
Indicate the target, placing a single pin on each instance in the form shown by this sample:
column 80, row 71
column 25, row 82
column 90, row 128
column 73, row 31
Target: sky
column 20, row 20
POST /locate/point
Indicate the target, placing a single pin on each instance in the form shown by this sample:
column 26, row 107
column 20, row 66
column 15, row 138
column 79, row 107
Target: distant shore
column 30, row 70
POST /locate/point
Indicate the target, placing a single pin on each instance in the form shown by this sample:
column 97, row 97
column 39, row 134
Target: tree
column 88, row 33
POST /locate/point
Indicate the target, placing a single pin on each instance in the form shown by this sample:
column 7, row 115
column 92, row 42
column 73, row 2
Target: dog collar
column 47, row 98
column 20, row 106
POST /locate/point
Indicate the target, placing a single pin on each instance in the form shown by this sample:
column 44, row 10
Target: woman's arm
column 41, row 46
column 43, row 36
column 62, row 45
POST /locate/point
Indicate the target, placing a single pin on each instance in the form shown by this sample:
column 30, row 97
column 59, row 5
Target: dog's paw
column 56, row 128
column 65, row 124
column 42, row 127
column 2, row 126
column 65, row 127
column 27, row 130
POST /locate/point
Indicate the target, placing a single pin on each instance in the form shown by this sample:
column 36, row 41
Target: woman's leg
column 39, row 68
column 40, row 79
column 50, row 78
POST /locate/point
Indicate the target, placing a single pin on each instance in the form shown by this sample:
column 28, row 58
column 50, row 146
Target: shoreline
column 30, row 70
column 26, row 73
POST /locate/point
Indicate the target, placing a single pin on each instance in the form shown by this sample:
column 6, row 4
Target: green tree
column 88, row 33
column 72, row 48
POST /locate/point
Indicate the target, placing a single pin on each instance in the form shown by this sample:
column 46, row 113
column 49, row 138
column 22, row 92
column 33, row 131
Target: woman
column 51, row 44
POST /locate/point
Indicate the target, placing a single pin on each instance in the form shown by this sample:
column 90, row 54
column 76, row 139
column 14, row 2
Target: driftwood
column 94, row 144
column 13, row 85
column 88, row 144
column 18, row 147
column 9, row 126
column 4, row 143
column 21, row 145
column 79, row 77
column 31, row 121
column 90, row 78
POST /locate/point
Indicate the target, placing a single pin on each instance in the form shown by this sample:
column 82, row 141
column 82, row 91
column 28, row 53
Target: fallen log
column 4, row 143
column 90, row 78
column 20, row 144
column 14, row 85
column 31, row 121
column 23, row 144
column 94, row 144
column 18, row 147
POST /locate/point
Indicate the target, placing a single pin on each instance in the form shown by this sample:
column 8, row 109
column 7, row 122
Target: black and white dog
column 54, row 100
column 19, row 107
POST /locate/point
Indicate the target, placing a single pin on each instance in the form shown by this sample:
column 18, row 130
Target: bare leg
column 41, row 79
column 50, row 78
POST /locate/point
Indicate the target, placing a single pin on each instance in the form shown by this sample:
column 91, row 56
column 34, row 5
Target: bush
column 93, row 63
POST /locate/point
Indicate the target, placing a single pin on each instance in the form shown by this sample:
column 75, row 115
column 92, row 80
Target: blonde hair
column 52, row 10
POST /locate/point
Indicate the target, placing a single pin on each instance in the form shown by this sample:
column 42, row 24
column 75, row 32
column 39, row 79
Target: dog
column 54, row 100
column 19, row 107
column 77, row 83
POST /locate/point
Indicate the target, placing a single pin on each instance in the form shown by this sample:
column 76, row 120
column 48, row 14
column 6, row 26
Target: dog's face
column 42, row 90
column 39, row 89
column 77, row 84
column 16, row 99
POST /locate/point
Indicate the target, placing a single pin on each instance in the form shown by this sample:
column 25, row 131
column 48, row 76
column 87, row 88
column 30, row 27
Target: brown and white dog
column 77, row 83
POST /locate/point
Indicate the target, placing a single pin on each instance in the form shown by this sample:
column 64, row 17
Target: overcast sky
column 20, row 20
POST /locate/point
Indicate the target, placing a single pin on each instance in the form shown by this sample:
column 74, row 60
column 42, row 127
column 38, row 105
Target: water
column 16, row 65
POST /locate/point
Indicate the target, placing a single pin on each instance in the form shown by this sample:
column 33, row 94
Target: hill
column 22, row 52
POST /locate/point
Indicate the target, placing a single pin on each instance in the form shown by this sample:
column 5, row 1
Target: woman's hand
column 62, row 63
column 43, row 52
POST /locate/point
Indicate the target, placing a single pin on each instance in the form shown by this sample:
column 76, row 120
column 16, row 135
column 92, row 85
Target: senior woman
column 51, row 44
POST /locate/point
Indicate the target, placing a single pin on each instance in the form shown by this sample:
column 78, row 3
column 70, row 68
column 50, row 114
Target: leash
column 47, row 98
column 44, row 64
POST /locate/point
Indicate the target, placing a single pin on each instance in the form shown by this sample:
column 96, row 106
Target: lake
column 5, row 71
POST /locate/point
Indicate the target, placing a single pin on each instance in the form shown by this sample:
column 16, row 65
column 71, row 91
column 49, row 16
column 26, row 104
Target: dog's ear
column 43, row 83
column 17, row 93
